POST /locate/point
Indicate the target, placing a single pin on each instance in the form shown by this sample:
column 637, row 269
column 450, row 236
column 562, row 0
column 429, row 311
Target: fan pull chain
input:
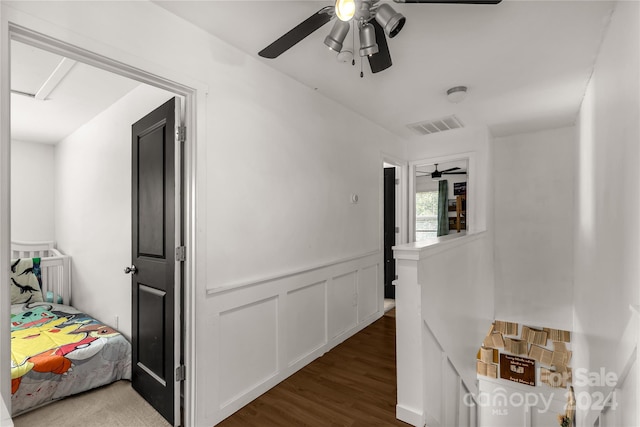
column 353, row 43
column 361, row 73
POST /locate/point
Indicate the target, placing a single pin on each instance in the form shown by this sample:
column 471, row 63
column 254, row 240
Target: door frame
column 472, row 178
column 401, row 167
column 193, row 95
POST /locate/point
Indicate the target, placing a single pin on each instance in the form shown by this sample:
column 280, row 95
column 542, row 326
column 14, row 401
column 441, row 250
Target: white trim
column 410, row 416
column 402, row 214
column 177, row 266
column 418, row 250
column 5, row 211
column 472, row 177
column 42, row 41
column 193, row 95
column 278, row 293
column 212, row 290
column 5, row 417
column 55, row 78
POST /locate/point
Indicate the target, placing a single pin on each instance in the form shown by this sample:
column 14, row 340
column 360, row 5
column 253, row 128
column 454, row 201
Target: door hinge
column 397, row 181
column 181, row 133
column 397, row 229
column 181, row 253
column 181, row 373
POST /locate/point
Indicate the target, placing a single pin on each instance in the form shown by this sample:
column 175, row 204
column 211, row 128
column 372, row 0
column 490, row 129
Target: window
column 426, row 215
column 427, row 175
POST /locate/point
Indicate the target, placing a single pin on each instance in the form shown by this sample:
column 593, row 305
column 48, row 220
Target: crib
column 56, row 349
column 55, row 267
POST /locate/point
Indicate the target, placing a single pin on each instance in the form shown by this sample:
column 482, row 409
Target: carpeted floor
column 116, row 404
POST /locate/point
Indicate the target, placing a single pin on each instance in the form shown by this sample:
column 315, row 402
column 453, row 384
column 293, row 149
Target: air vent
column 434, row 126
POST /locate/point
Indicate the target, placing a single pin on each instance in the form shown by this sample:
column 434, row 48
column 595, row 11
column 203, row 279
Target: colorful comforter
column 57, row 351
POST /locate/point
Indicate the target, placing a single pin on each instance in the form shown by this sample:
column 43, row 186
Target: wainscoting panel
column 263, row 331
column 248, row 347
column 306, row 321
column 368, row 292
column 451, row 394
column 343, row 301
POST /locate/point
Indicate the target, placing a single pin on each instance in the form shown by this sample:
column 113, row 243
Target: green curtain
column 443, row 215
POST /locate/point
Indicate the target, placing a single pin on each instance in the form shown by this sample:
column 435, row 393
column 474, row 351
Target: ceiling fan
column 436, row 174
column 375, row 22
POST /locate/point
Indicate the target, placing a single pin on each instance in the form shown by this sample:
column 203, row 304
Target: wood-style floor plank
column 352, row 385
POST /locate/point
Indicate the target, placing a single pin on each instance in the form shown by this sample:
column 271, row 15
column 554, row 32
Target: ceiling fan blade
column 454, row 173
column 450, row 169
column 298, row 33
column 382, row 60
column 450, row 1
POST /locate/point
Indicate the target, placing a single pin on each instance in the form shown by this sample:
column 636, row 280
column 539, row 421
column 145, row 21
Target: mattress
column 58, row 351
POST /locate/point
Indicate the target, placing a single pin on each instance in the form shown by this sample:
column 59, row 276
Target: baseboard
column 409, row 416
column 5, row 418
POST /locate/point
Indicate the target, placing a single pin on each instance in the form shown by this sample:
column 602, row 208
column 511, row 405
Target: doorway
column 138, row 77
column 389, row 232
column 393, row 224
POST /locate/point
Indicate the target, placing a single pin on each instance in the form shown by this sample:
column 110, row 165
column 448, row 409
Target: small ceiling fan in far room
column 438, row 174
column 375, row 22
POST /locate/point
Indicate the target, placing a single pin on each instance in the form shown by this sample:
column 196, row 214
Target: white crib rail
column 33, row 249
column 56, row 277
column 55, row 267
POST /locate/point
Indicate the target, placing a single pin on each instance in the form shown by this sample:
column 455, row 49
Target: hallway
column 352, row 385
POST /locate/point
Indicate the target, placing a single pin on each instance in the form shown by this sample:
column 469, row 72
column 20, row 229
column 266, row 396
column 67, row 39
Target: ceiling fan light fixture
column 337, row 35
column 368, row 45
column 390, row 20
column 345, row 55
column 345, row 9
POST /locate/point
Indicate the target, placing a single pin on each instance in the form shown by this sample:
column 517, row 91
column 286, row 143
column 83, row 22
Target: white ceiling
column 81, row 95
column 526, row 64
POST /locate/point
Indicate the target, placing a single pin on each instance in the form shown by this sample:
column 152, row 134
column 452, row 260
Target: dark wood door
column 389, row 231
column 155, row 286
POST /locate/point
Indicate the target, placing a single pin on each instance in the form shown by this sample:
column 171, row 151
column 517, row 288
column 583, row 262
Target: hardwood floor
column 352, row 385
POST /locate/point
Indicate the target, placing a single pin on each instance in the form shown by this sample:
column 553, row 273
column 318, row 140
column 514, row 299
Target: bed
column 56, row 350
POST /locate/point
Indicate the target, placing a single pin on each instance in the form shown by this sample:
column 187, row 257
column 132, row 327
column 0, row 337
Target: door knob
column 132, row 269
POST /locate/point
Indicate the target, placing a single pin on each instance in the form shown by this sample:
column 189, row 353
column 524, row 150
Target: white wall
column 276, row 163
column 293, row 165
column 607, row 208
column 533, row 227
column 93, row 206
column 32, row 192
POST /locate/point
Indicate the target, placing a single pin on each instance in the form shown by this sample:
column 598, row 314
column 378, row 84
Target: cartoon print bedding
column 57, row 351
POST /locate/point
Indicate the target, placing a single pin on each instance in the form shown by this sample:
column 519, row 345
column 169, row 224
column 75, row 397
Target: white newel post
column 409, row 407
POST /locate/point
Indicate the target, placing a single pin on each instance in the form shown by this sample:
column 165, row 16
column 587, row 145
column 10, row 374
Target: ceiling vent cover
column 434, row 126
